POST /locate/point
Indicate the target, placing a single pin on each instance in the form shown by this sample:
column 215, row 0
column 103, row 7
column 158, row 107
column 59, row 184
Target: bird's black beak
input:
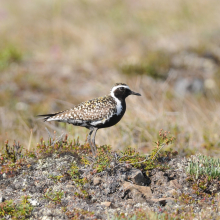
column 135, row 93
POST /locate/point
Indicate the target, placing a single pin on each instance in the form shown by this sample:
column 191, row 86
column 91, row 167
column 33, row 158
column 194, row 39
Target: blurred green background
column 55, row 54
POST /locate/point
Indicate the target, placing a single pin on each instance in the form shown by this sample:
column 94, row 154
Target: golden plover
column 97, row 113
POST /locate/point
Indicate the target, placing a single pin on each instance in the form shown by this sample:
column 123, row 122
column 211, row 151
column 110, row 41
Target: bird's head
column 121, row 91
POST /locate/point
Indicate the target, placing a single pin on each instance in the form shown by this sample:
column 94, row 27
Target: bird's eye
column 121, row 88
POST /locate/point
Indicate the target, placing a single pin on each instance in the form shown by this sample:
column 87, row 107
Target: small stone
column 170, row 201
column 137, row 196
column 86, row 185
column 174, row 184
column 47, row 212
column 171, row 175
column 171, row 192
column 128, row 207
column 130, row 201
column 137, row 177
column 112, row 164
column 145, row 190
column 106, row 204
column 123, row 177
column 4, row 175
column 46, row 218
column 33, row 202
column 2, row 199
column 163, row 201
column 93, row 200
column 105, row 185
column 137, row 205
column 71, row 187
column 96, row 181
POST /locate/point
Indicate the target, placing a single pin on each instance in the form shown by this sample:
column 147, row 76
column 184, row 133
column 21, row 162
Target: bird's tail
column 46, row 116
column 49, row 116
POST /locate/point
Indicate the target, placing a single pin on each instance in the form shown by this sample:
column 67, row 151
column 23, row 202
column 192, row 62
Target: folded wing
column 89, row 111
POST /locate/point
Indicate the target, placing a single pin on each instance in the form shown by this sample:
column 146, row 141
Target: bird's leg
column 89, row 140
column 93, row 138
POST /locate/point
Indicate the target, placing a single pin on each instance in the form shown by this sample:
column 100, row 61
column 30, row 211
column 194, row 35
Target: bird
column 97, row 113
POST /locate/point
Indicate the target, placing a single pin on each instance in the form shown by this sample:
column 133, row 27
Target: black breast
column 114, row 119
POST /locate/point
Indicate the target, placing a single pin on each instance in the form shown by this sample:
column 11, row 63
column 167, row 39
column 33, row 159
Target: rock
column 145, row 190
column 174, row 184
column 47, row 212
column 163, row 201
column 137, row 196
column 19, row 183
column 113, row 187
column 130, row 201
column 96, row 181
column 159, row 183
column 46, row 218
column 33, row 202
column 71, row 187
column 171, row 192
column 189, row 85
column 192, row 61
column 2, row 199
column 106, row 204
column 93, row 200
column 123, row 177
column 137, row 177
column 138, row 205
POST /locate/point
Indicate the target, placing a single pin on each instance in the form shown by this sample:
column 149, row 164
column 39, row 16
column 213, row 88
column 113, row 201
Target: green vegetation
column 11, row 158
column 54, row 196
column 16, row 211
column 9, row 54
column 76, row 214
column 156, row 65
column 12, row 153
column 204, row 166
column 78, row 181
column 204, row 173
column 55, row 178
column 142, row 214
column 61, row 146
column 131, row 156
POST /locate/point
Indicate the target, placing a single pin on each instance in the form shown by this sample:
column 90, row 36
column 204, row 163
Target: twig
column 30, row 139
column 57, row 139
column 126, row 156
column 142, row 160
column 90, row 159
column 152, row 158
column 158, row 151
column 50, row 136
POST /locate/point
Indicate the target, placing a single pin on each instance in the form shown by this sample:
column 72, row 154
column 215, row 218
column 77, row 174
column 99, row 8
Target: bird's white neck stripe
column 119, row 105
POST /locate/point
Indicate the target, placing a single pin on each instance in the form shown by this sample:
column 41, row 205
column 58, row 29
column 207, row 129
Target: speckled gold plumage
column 92, row 110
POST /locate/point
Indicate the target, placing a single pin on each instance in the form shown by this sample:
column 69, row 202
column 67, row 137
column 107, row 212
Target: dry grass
column 72, row 51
